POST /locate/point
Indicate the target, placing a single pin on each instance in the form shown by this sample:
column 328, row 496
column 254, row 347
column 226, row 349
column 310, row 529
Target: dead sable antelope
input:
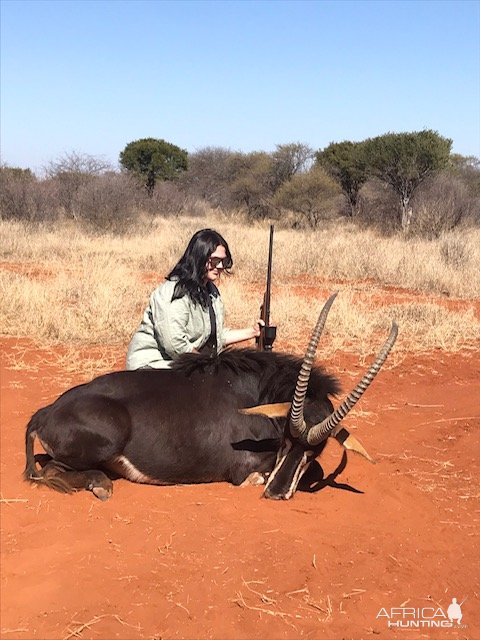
column 242, row 416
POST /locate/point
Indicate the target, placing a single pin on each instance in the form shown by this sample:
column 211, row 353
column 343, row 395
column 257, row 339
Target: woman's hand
column 257, row 328
column 239, row 335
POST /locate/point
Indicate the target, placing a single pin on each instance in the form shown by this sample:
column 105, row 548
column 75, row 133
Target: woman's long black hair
column 190, row 269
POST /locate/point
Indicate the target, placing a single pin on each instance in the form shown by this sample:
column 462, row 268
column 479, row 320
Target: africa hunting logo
column 423, row 617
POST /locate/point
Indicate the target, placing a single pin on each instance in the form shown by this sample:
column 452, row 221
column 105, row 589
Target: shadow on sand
column 314, row 479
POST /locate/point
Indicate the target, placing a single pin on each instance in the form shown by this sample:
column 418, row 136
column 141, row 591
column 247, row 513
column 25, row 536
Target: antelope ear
column 277, row 410
column 352, row 444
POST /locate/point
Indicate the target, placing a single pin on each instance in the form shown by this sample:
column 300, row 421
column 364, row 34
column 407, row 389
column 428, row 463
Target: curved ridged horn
column 322, row 430
column 297, row 425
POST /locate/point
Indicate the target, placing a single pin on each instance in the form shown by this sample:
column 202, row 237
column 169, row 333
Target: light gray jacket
column 170, row 328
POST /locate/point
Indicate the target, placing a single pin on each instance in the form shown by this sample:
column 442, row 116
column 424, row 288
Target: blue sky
column 91, row 76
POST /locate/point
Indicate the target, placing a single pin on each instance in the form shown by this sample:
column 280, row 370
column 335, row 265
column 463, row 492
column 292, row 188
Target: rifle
column 267, row 333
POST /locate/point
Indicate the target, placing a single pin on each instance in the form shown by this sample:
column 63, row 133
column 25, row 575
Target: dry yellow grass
column 93, row 289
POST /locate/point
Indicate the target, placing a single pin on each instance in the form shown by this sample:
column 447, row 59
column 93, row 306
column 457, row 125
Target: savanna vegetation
column 83, row 245
column 62, row 285
column 408, row 182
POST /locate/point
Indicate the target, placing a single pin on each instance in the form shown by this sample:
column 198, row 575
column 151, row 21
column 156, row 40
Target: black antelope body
column 240, row 416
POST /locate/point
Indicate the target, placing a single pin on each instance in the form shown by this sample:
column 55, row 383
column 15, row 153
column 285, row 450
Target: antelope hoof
column 253, row 480
column 102, row 493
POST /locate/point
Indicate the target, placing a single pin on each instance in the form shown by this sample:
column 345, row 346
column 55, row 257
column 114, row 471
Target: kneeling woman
column 185, row 314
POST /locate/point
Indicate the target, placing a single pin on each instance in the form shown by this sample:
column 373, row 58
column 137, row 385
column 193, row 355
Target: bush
column 455, row 252
column 313, row 196
column 23, row 197
column 441, row 205
column 109, row 202
column 378, row 207
column 166, row 199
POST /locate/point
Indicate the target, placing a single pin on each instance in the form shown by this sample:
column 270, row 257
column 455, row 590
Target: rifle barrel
column 269, row 278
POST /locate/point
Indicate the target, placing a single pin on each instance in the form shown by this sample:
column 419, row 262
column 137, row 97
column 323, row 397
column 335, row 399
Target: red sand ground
column 218, row 562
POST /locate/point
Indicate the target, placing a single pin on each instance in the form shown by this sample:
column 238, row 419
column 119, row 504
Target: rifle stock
column 268, row 332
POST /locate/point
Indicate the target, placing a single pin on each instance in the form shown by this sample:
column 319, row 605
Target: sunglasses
column 218, row 263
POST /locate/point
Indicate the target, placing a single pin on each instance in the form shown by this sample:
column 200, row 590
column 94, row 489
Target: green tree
column 250, row 182
column 405, row 161
column 345, row 163
column 311, row 194
column 152, row 159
